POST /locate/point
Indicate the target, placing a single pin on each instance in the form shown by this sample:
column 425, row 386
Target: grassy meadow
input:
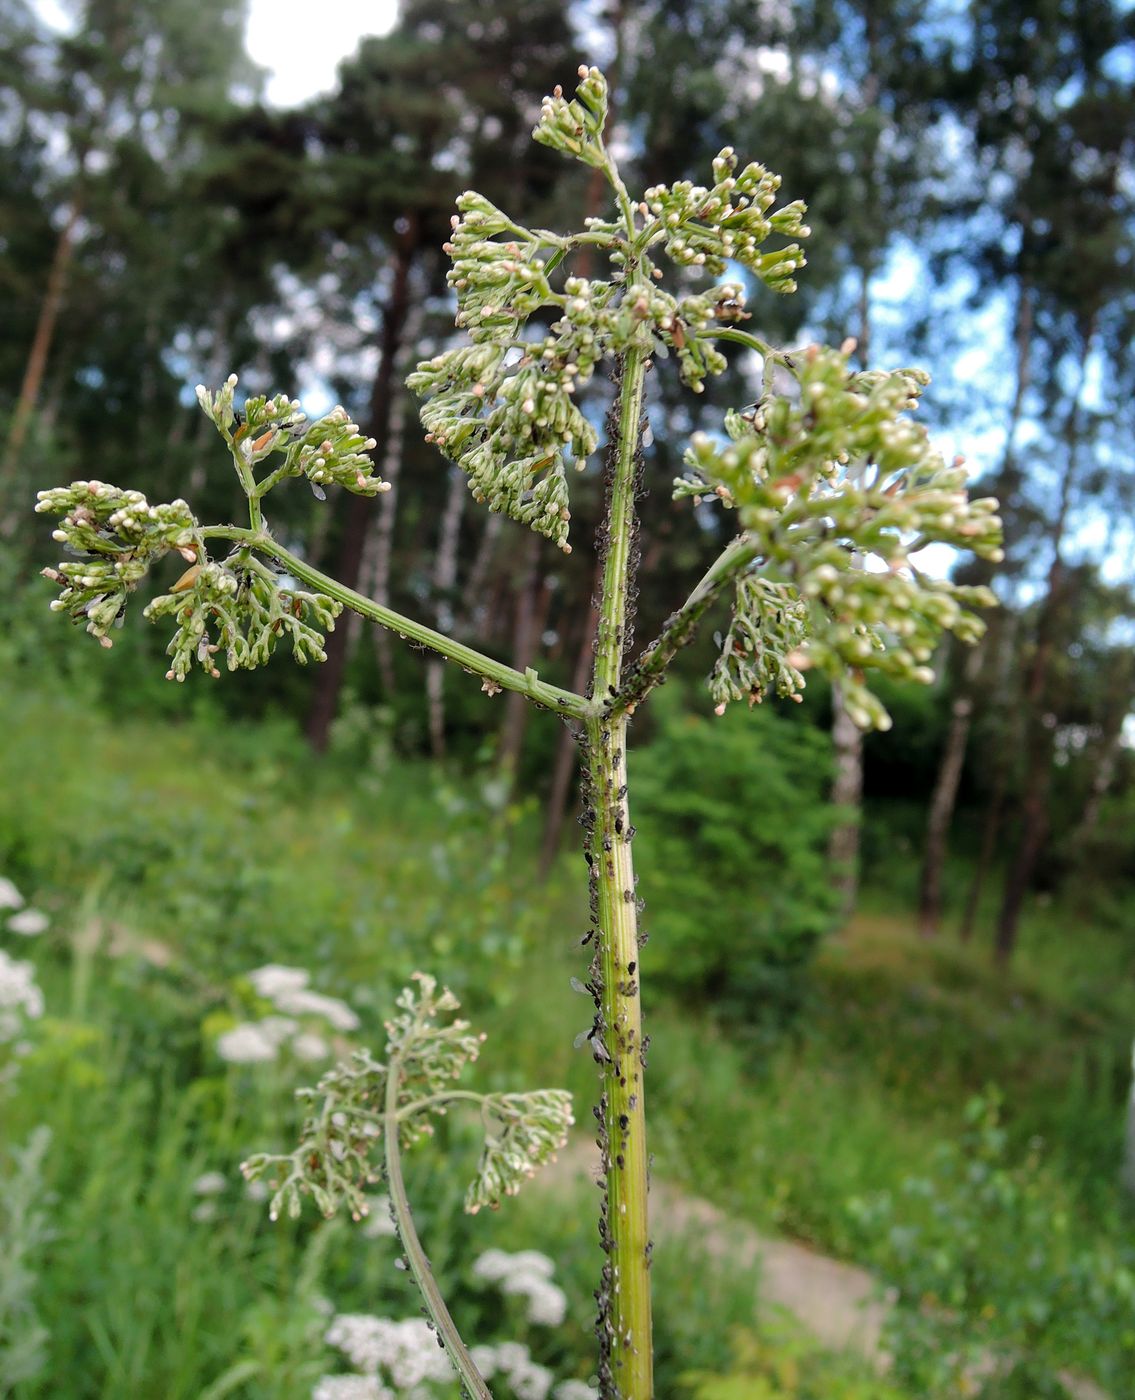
column 174, row 856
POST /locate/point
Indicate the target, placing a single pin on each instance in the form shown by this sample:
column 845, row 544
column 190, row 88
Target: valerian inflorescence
column 504, row 409
column 327, row 450
column 237, row 609
column 836, row 488
column 354, row 1106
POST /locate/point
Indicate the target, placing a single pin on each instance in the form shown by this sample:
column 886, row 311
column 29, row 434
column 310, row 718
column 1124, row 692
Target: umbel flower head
column 335, row 1162
column 330, row 449
column 503, row 408
column 837, row 487
column 235, row 610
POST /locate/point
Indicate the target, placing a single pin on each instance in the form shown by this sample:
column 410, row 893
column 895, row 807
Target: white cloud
column 301, row 45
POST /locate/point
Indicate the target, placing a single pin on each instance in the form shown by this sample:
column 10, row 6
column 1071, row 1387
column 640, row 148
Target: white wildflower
column 28, row 922
column 304, row 1002
column 528, row 1379
column 204, row 1211
column 351, row 1388
column 20, row 997
column 257, row 1190
column 485, row 1360
column 246, row 1044
column 273, row 980
column 10, row 897
column 529, row 1275
column 378, row 1223
column 407, row 1350
column 277, row 1029
column 574, row 1390
column 310, row 1047
column 498, row 1264
column 210, row 1184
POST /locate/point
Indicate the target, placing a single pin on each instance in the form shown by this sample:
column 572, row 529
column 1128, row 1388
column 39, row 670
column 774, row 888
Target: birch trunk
column 36, row 365
column 944, row 798
column 329, row 679
column 444, row 580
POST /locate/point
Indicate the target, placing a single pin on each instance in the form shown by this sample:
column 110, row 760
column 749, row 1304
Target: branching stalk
column 527, row 683
column 415, row 1254
column 624, row 1298
column 681, row 627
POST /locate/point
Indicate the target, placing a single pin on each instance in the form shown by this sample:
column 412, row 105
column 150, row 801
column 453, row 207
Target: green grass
column 173, row 858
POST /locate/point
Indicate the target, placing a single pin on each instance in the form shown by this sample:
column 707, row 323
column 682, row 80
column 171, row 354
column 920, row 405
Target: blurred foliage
column 993, row 1295
column 732, row 850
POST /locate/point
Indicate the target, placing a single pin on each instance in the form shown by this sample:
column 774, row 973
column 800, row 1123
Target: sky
column 331, row 31
column 300, row 70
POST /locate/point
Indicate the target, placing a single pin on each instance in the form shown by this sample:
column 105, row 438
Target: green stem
column 680, row 627
column 615, row 180
column 446, row 1096
column 415, row 1254
column 248, row 486
column 624, row 1317
column 752, row 342
column 564, row 702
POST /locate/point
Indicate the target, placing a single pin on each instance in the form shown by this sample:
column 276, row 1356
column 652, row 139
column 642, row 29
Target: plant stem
column 752, row 342
column 415, row 1254
column 680, row 627
column 248, row 486
column 624, row 1296
column 564, row 702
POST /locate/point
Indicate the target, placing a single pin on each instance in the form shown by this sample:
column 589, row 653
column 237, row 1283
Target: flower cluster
column 346, row 1110
column 332, row 1162
column 295, row 1006
column 26, row 921
column 114, row 536
column 837, row 488
column 576, row 127
column 290, row 1026
column 523, row 1132
column 729, row 222
column 329, row 450
column 507, row 417
column 288, row 989
column 241, row 610
column 527, row 1379
column 395, row 1359
column 527, row 1274
column 767, row 632
column 503, row 408
column 407, row 1351
column 20, row 997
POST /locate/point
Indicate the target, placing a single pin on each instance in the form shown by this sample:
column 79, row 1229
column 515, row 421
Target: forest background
column 894, row 995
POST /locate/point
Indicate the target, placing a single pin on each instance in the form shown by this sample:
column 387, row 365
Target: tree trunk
column 957, row 740
column 445, row 577
column 531, row 609
column 476, row 613
column 566, row 748
column 989, row 834
column 944, row 797
column 1129, row 1146
column 36, row 364
column 329, row 677
column 1111, row 741
column 379, row 550
column 1039, row 725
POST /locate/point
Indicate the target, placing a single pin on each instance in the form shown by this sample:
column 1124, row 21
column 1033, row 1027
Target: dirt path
column 838, row 1303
